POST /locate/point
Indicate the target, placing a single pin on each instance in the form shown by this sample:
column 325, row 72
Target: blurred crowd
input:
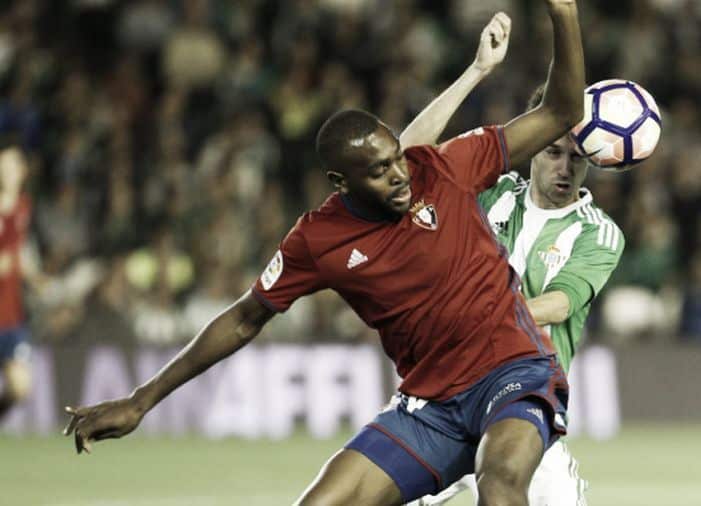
column 171, row 145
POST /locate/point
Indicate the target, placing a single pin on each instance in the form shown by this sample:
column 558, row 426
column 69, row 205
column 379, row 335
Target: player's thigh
column 556, row 480
column 350, row 478
column 17, row 379
column 509, row 452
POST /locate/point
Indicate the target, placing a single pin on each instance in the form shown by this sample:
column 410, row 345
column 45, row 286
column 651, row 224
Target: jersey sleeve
column 291, row 274
column 476, row 159
column 506, row 182
column 595, row 255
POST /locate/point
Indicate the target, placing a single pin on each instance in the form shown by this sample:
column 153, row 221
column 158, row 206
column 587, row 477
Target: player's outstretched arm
column 229, row 331
column 430, row 123
column 563, row 103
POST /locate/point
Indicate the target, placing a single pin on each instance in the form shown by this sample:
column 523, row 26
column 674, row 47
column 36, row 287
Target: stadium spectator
column 135, row 110
column 16, row 267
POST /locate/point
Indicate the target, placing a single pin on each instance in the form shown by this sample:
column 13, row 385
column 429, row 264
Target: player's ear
column 338, row 180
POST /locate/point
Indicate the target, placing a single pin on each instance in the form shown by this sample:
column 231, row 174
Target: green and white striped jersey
column 573, row 249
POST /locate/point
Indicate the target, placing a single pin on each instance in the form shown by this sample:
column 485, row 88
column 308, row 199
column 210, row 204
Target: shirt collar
column 359, row 213
column 558, row 212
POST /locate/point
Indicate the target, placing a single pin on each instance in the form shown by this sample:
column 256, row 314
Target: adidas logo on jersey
column 355, row 259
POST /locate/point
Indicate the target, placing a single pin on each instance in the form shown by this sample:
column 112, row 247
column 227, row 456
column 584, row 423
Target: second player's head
column 364, row 161
column 558, row 171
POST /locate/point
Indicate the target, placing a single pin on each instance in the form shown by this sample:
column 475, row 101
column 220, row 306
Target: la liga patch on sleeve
column 272, row 272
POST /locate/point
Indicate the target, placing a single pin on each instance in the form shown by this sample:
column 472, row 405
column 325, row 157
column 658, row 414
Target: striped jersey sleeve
column 510, row 182
column 595, row 255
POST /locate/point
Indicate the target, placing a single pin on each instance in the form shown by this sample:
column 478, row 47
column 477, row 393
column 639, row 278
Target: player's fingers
column 77, row 411
column 505, row 31
column 78, row 440
column 497, row 32
column 486, row 33
column 489, row 36
column 74, row 420
column 496, row 29
column 82, row 442
column 486, row 38
column 71, row 426
column 504, row 20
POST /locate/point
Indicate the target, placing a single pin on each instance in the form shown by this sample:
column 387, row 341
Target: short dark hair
column 536, row 97
column 342, row 126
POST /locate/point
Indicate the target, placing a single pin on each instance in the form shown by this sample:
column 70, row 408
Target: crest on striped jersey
column 552, row 258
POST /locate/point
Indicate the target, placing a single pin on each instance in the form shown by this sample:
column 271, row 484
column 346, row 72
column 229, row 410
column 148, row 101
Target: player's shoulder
column 320, row 227
column 426, row 152
column 509, row 186
column 590, row 214
column 600, row 225
column 328, row 211
column 511, row 182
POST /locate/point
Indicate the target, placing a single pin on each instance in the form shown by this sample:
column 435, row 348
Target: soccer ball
column 621, row 125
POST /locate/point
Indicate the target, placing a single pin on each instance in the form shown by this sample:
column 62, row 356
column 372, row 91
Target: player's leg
column 411, row 449
column 15, row 377
column 524, row 416
column 350, row 477
column 531, row 395
column 507, row 457
column 15, row 385
column 464, row 483
column 557, row 481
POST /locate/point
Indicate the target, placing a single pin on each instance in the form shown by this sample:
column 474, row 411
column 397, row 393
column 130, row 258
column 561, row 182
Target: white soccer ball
column 621, row 124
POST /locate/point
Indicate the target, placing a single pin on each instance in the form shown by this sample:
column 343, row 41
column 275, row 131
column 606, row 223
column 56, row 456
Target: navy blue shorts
column 14, row 344
column 424, row 446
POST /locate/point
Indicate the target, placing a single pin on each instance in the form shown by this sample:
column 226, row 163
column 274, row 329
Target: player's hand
column 494, row 42
column 111, row 419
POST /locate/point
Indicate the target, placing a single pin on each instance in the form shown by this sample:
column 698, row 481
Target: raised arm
column 229, row 331
column 431, row 121
column 562, row 106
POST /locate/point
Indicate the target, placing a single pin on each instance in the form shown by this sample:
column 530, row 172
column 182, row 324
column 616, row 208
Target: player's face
column 557, row 173
column 377, row 178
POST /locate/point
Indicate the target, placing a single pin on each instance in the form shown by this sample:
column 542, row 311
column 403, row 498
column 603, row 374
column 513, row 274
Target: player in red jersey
column 15, row 210
column 404, row 242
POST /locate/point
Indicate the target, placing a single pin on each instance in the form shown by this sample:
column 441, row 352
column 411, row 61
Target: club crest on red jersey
column 424, row 215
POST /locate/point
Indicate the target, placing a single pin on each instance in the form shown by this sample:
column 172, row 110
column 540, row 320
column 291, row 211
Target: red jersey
column 435, row 284
column 13, row 230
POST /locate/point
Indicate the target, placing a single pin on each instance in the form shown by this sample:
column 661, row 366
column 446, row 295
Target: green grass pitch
column 647, row 465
